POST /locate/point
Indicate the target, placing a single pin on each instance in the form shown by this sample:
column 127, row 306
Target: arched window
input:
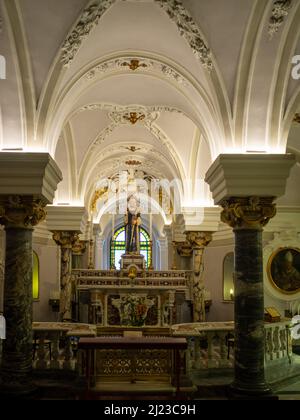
column 118, row 247
column 35, row 277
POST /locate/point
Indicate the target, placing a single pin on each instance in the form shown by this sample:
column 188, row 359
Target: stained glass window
column 35, row 277
column 118, row 247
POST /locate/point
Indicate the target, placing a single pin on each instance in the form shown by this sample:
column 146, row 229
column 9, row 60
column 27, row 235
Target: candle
column 231, row 294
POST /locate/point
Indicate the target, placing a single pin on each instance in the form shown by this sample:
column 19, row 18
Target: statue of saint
column 132, row 223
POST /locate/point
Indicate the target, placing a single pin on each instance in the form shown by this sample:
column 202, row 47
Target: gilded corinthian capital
column 21, row 211
column 65, row 239
column 248, row 212
column 199, row 239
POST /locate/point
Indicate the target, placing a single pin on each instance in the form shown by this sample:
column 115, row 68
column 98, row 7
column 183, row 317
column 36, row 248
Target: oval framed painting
column 284, row 270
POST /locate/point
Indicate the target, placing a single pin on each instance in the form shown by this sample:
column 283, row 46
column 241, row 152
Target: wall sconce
column 55, row 304
column 54, row 301
column 231, row 294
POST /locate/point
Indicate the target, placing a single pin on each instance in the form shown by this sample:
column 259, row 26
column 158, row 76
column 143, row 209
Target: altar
column 130, row 298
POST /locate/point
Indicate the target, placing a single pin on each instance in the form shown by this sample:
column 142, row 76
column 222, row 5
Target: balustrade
column 210, row 344
column 55, row 344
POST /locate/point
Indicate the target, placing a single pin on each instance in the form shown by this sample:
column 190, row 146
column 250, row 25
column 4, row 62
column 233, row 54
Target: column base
column 240, row 392
column 18, row 391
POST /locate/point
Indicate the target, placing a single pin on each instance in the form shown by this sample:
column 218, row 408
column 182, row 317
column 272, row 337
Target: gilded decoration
column 134, row 117
column 102, row 192
column 184, row 249
column 65, row 239
column 248, row 212
column 134, row 64
column 199, row 239
column 23, row 212
column 79, row 247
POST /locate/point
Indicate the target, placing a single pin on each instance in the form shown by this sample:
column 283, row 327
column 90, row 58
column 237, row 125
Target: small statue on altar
column 133, row 222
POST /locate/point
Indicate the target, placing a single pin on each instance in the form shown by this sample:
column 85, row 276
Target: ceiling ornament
column 87, row 22
column 134, row 64
column 133, row 114
column 91, row 16
column 280, row 11
column 137, row 64
column 133, row 163
column 132, row 149
column 297, row 118
column 189, row 30
column 134, row 117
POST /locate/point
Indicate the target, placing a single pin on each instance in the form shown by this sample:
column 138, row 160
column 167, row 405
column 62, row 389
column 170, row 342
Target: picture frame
column 284, row 270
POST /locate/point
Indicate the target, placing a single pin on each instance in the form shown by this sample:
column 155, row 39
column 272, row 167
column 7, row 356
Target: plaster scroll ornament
column 280, row 11
column 297, row 118
column 139, row 64
column 87, row 22
column 189, row 30
column 91, row 16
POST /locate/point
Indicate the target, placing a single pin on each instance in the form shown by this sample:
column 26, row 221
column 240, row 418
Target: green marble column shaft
column 17, row 348
column 249, row 313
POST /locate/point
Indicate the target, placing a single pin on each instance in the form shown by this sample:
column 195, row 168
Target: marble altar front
column 122, row 299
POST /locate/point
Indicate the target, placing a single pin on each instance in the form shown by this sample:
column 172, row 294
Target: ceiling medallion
column 297, row 118
column 134, row 64
column 134, row 117
column 133, row 163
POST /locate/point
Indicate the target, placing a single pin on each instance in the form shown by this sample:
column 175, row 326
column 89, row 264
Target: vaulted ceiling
column 159, row 86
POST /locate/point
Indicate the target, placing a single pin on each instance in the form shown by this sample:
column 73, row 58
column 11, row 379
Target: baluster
column 223, row 349
column 68, row 353
column 282, row 343
column 276, row 343
column 211, row 363
column 189, row 355
column 54, row 363
column 41, row 361
column 198, row 362
column 269, row 345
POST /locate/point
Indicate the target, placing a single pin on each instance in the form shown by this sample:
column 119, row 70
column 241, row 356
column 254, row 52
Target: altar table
column 90, row 345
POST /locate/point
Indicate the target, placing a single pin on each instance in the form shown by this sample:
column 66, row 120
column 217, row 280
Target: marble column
column 19, row 215
column 2, row 267
column 248, row 216
column 78, row 250
column 99, row 243
column 66, row 241
column 198, row 242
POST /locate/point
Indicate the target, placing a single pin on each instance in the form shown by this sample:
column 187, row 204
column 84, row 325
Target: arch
column 118, row 246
